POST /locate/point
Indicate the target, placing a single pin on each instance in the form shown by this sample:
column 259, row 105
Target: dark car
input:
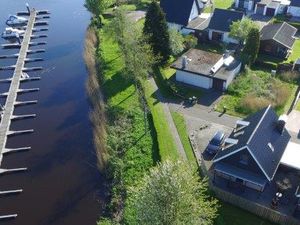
column 216, row 142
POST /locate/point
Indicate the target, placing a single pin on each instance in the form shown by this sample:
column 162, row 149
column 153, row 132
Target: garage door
column 270, row 12
column 260, row 9
column 241, row 3
column 218, row 84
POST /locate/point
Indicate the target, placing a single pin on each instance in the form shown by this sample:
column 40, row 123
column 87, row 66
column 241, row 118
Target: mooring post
column 28, row 9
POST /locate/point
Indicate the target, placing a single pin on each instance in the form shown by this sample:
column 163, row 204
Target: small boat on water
column 14, row 20
column 11, row 33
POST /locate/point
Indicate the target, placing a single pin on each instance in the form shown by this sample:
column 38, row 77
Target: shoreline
column 97, row 114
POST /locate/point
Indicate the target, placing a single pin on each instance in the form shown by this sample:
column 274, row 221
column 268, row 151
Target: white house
column 219, row 25
column 294, row 8
column 206, row 69
column 271, row 7
column 180, row 13
column 245, row 4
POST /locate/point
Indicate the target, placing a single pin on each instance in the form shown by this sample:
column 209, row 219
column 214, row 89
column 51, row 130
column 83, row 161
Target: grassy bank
column 167, row 148
column 182, row 131
column 131, row 150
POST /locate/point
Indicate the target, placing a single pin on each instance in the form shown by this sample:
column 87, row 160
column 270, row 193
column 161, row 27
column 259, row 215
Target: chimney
column 184, row 61
column 281, row 123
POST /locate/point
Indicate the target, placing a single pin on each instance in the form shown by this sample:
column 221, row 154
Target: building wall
column 193, row 79
column 230, row 78
column 194, row 12
column 235, row 160
column 271, row 47
column 225, row 36
column 295, row 11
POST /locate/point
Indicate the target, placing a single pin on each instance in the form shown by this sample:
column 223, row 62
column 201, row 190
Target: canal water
column 62, row 185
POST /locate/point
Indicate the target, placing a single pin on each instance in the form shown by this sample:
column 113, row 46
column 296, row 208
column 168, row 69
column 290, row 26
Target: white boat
column 11, row 33
column 14, row 20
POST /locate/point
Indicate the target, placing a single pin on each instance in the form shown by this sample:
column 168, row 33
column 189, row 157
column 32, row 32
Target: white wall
column 295, row 11
column 193, row 79
column 228, row 39
column 194, row 12
column 230, row 78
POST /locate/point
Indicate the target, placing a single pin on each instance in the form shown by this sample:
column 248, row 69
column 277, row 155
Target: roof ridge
column 257, row 126
column 278, row 30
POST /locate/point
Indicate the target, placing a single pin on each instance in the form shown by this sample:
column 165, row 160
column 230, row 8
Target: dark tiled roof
column 202, row 62
column 256, row 137
column 295, row 3
column 222, row 19
column 282, row 33
column 177, row 11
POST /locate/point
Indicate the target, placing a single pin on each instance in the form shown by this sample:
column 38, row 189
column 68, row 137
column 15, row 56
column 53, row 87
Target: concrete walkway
column 169, row 118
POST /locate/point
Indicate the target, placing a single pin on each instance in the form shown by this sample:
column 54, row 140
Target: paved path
column 169, row 118
column 14, row 86
column 204, row 113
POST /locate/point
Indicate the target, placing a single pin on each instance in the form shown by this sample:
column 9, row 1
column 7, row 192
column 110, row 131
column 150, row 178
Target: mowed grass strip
column 183, row 134
column 167, row 148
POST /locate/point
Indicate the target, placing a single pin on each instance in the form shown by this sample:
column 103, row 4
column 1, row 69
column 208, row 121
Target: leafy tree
column 250, row 51
column 156, row 30
column 240, row 29
column 173, row 194
column 176, row 41
column 97, row 7
column 136, row 51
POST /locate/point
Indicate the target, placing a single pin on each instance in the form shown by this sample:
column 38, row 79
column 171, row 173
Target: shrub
column 290, row 76
column 281, row 93
column 252, row 103
column 190, row 41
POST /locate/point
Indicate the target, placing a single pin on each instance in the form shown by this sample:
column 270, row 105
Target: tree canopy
column 156, row 30
column 173, row 194
column 250, row 51
column 97, row 7
column 240, row 29
column 176, row 41
column 136, row 52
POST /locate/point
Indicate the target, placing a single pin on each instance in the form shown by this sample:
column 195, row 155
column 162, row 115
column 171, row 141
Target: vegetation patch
column 254, row 90
column 167, row 148
column 131, row 150
column 183, row 134
column 221, row 4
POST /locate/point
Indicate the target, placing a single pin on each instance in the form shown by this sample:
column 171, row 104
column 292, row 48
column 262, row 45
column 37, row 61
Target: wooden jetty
column 19, row 75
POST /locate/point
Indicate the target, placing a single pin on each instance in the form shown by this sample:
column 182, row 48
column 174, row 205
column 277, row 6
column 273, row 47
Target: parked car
column 216, row 142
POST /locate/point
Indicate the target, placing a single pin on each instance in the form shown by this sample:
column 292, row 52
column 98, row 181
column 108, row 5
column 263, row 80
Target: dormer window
column 244, row 159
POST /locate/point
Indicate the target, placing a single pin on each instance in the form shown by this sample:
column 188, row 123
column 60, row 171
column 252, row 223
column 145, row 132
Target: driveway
column 293, row 125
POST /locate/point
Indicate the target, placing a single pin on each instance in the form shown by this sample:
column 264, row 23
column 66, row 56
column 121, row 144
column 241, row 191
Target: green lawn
column 232, row 215
column 254, row 90
column 298, row 106
column 167, row 148
column 221, row 4
column 132, row 152
column 182, row 131
column 296, row 52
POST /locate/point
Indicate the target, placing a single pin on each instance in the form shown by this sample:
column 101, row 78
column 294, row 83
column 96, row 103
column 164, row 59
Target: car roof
column 218, row 135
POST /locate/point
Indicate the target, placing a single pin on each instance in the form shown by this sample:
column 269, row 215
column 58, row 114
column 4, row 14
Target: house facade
column 206, row 70
column 263, row 7
column 277, row 39
column 219, row 25
column 294, row 8
column 253, row 152
column 181, row 12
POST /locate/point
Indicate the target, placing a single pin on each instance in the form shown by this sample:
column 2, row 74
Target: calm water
column 62, row 185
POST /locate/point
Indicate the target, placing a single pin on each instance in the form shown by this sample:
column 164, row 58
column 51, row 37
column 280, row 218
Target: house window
column 244, row 159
